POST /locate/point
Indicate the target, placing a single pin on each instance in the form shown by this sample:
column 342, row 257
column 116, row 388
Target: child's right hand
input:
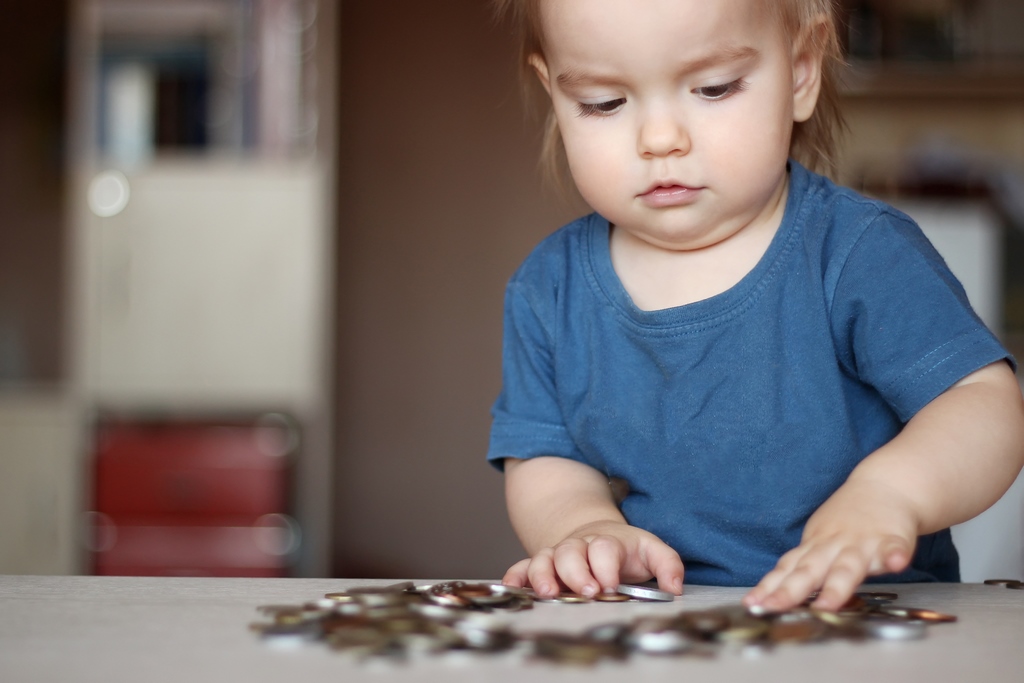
column 566, row 515
column 598, row 557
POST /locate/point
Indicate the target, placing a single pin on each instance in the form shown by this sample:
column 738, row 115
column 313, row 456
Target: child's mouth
column 660, row 196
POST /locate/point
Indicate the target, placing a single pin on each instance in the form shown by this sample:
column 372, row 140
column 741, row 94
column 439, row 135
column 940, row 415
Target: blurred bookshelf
column 938, row 49
column 932, row 31
column 201, row 165
column 947, row 81
column 212, row 77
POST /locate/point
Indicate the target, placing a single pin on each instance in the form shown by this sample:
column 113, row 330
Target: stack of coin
column 1009, row 583
column 404, row 619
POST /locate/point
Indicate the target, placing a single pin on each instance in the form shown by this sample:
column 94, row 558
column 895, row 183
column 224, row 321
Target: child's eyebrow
column 574, row 76
column 724, row 56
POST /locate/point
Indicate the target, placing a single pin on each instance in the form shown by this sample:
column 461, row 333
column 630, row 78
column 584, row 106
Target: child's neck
column 656, row 278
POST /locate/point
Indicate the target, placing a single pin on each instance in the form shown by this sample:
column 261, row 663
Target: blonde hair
column 814, row 141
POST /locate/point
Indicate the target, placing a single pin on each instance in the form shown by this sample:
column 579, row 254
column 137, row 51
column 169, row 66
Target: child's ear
column 807, row 59
column 541, row 67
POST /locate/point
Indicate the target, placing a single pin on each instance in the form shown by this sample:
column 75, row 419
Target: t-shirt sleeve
column 527, row 419
column 902, row 322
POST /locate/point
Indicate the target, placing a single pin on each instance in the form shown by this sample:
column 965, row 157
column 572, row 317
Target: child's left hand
column 967, row 440
column 864, row 529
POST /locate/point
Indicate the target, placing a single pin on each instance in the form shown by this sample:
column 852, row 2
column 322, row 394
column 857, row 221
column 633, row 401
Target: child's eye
column 720, row 92
column 600, row 108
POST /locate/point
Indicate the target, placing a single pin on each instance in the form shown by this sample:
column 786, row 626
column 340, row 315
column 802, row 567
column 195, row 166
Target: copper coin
column 796, row 631
column 473, row 590
column 1000, row 582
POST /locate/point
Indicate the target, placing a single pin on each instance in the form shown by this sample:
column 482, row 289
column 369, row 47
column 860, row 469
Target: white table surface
column 114, row 629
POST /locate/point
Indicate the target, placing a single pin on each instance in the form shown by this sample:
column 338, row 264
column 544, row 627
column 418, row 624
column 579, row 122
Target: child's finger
column 573, row 568
column 516, row 574
column 606, row 556
column 795, row 587
column 773, row 579
column 895, row 553
column 666, row 566
column 803, row 577
column 541, row 574
column 853, row 565
column 845, row 574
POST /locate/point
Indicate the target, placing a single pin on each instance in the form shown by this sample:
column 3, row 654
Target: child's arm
column 566, row 517
column 952, row 460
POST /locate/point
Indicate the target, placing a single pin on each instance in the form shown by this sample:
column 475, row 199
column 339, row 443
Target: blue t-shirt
column 733, row 418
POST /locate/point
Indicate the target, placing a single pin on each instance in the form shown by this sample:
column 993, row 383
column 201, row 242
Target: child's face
column 676, row 114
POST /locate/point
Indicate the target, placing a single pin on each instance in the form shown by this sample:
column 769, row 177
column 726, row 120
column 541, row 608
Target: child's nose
column 663, row 134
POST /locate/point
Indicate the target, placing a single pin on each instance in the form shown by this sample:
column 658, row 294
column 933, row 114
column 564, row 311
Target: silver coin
column 645, row 593
column 895, row 630
column 666, row 641
column 512, row 590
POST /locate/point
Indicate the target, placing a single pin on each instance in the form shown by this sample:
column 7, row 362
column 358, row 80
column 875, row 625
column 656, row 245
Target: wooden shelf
column 934, row 80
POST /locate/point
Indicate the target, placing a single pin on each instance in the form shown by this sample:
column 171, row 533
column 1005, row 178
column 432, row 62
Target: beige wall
column 439, row 202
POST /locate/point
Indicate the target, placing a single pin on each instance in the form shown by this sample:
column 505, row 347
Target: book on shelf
column 240, row 83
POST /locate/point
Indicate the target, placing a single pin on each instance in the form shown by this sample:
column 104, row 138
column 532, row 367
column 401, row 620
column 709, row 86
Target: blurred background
column 253, row 254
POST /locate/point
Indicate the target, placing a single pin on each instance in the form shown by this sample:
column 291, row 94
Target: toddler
column 785, row 373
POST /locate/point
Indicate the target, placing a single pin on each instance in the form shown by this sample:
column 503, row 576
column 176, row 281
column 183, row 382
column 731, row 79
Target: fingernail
column 544, row 589
column 590, row 590
column 758, row 610
column 677, row 586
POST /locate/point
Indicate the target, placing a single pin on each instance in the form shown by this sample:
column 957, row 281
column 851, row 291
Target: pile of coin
column 1009, row 583
column 403, row 619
